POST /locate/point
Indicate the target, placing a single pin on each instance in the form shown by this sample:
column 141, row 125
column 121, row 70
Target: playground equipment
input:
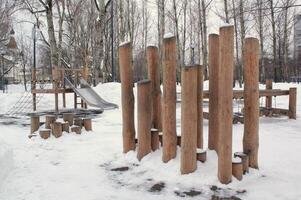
column 69, row 81
column 53, row 126
column 221, row 54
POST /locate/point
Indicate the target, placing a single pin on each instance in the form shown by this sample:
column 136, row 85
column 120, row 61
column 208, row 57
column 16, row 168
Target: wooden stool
column 154, row 139
column 69, row 117
column 49, row 119
column 237, row 169
column 245, row 161
column 45, row 133
column 35, row 123
column 87, row 124
column 57, row 129
column 76, row 129
column 65, row 127
column 78, row 122
column 201, row 155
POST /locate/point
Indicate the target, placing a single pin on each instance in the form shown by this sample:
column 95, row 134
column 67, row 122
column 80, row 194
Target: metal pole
column 112, row 42
column 3, row 87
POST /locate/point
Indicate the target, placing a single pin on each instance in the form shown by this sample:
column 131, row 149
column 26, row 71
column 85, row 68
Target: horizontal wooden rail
column 52, row 91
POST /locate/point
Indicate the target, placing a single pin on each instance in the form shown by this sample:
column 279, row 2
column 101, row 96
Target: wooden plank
column 51, row 91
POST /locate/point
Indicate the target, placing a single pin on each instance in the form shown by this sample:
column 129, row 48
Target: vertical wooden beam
column 200, row 80
column 251, row 100
column 154, row 76
column 214, row 78
column 63, row 94
column 226, row 55
column 127, row 97
column 144, row 118
column 75, row 100
column 292, row 114
column 169, row 99
column 268, row 86
column 189, row 119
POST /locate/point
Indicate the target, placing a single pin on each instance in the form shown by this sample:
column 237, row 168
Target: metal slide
column 90, row 96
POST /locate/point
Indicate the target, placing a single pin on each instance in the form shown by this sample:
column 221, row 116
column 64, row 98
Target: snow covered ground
column 91, row 166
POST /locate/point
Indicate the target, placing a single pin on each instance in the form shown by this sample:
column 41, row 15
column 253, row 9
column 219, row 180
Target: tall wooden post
column 63, row 82
column 169, row 99
column 144, row 118
column 189, row 120
column 154, row 76
column 127, row 97
column 292, row 113
column 200, row 80
column 226, row 51
column 34, row 95
column 214, row 101
column 251, row 100
column 268, row 86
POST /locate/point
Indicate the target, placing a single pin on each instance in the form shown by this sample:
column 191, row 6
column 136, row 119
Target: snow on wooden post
column 214, row 78
column 35, row 123
column 127, row 97
column 169, row 98
column 200, row 80
column 226, row 55
column 154, row 76
column 292, row 114
column 268, row 99
column 189, row 119
column 251, row 100
column 144, row 118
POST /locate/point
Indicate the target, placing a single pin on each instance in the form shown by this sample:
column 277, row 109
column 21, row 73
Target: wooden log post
column 201, row 155
column 65, row 127
column 87, row 124
column 214, row 101
column 78, row 122
column 268, row 99
column 45, row 133
column 34, row 123
column 245, row 161
column 49, row 119
column 144, row 118
column 200, row 80
column 127, row 97
column 169, row 99
column 69, row 117
column 179, row 140
column 189, row 119
column 154, row 139
column 154, row 76
column 226, row 55
column 292, row 110
column 57, row 129
column 251, row 100
column 237, row 168
column 76, row 129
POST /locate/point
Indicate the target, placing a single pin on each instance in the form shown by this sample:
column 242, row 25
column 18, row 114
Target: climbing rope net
column 24, row 105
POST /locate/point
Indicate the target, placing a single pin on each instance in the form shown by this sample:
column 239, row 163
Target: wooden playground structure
column 155, row 116
column 59, row 86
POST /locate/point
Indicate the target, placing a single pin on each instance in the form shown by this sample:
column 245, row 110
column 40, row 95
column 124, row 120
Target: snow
column 225, row 25
column 168, row 35
column 80, row 166
column 236, row 160
column 124, row 43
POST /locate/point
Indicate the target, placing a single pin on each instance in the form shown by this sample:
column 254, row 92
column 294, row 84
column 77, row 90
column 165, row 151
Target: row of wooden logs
column 69, row 124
